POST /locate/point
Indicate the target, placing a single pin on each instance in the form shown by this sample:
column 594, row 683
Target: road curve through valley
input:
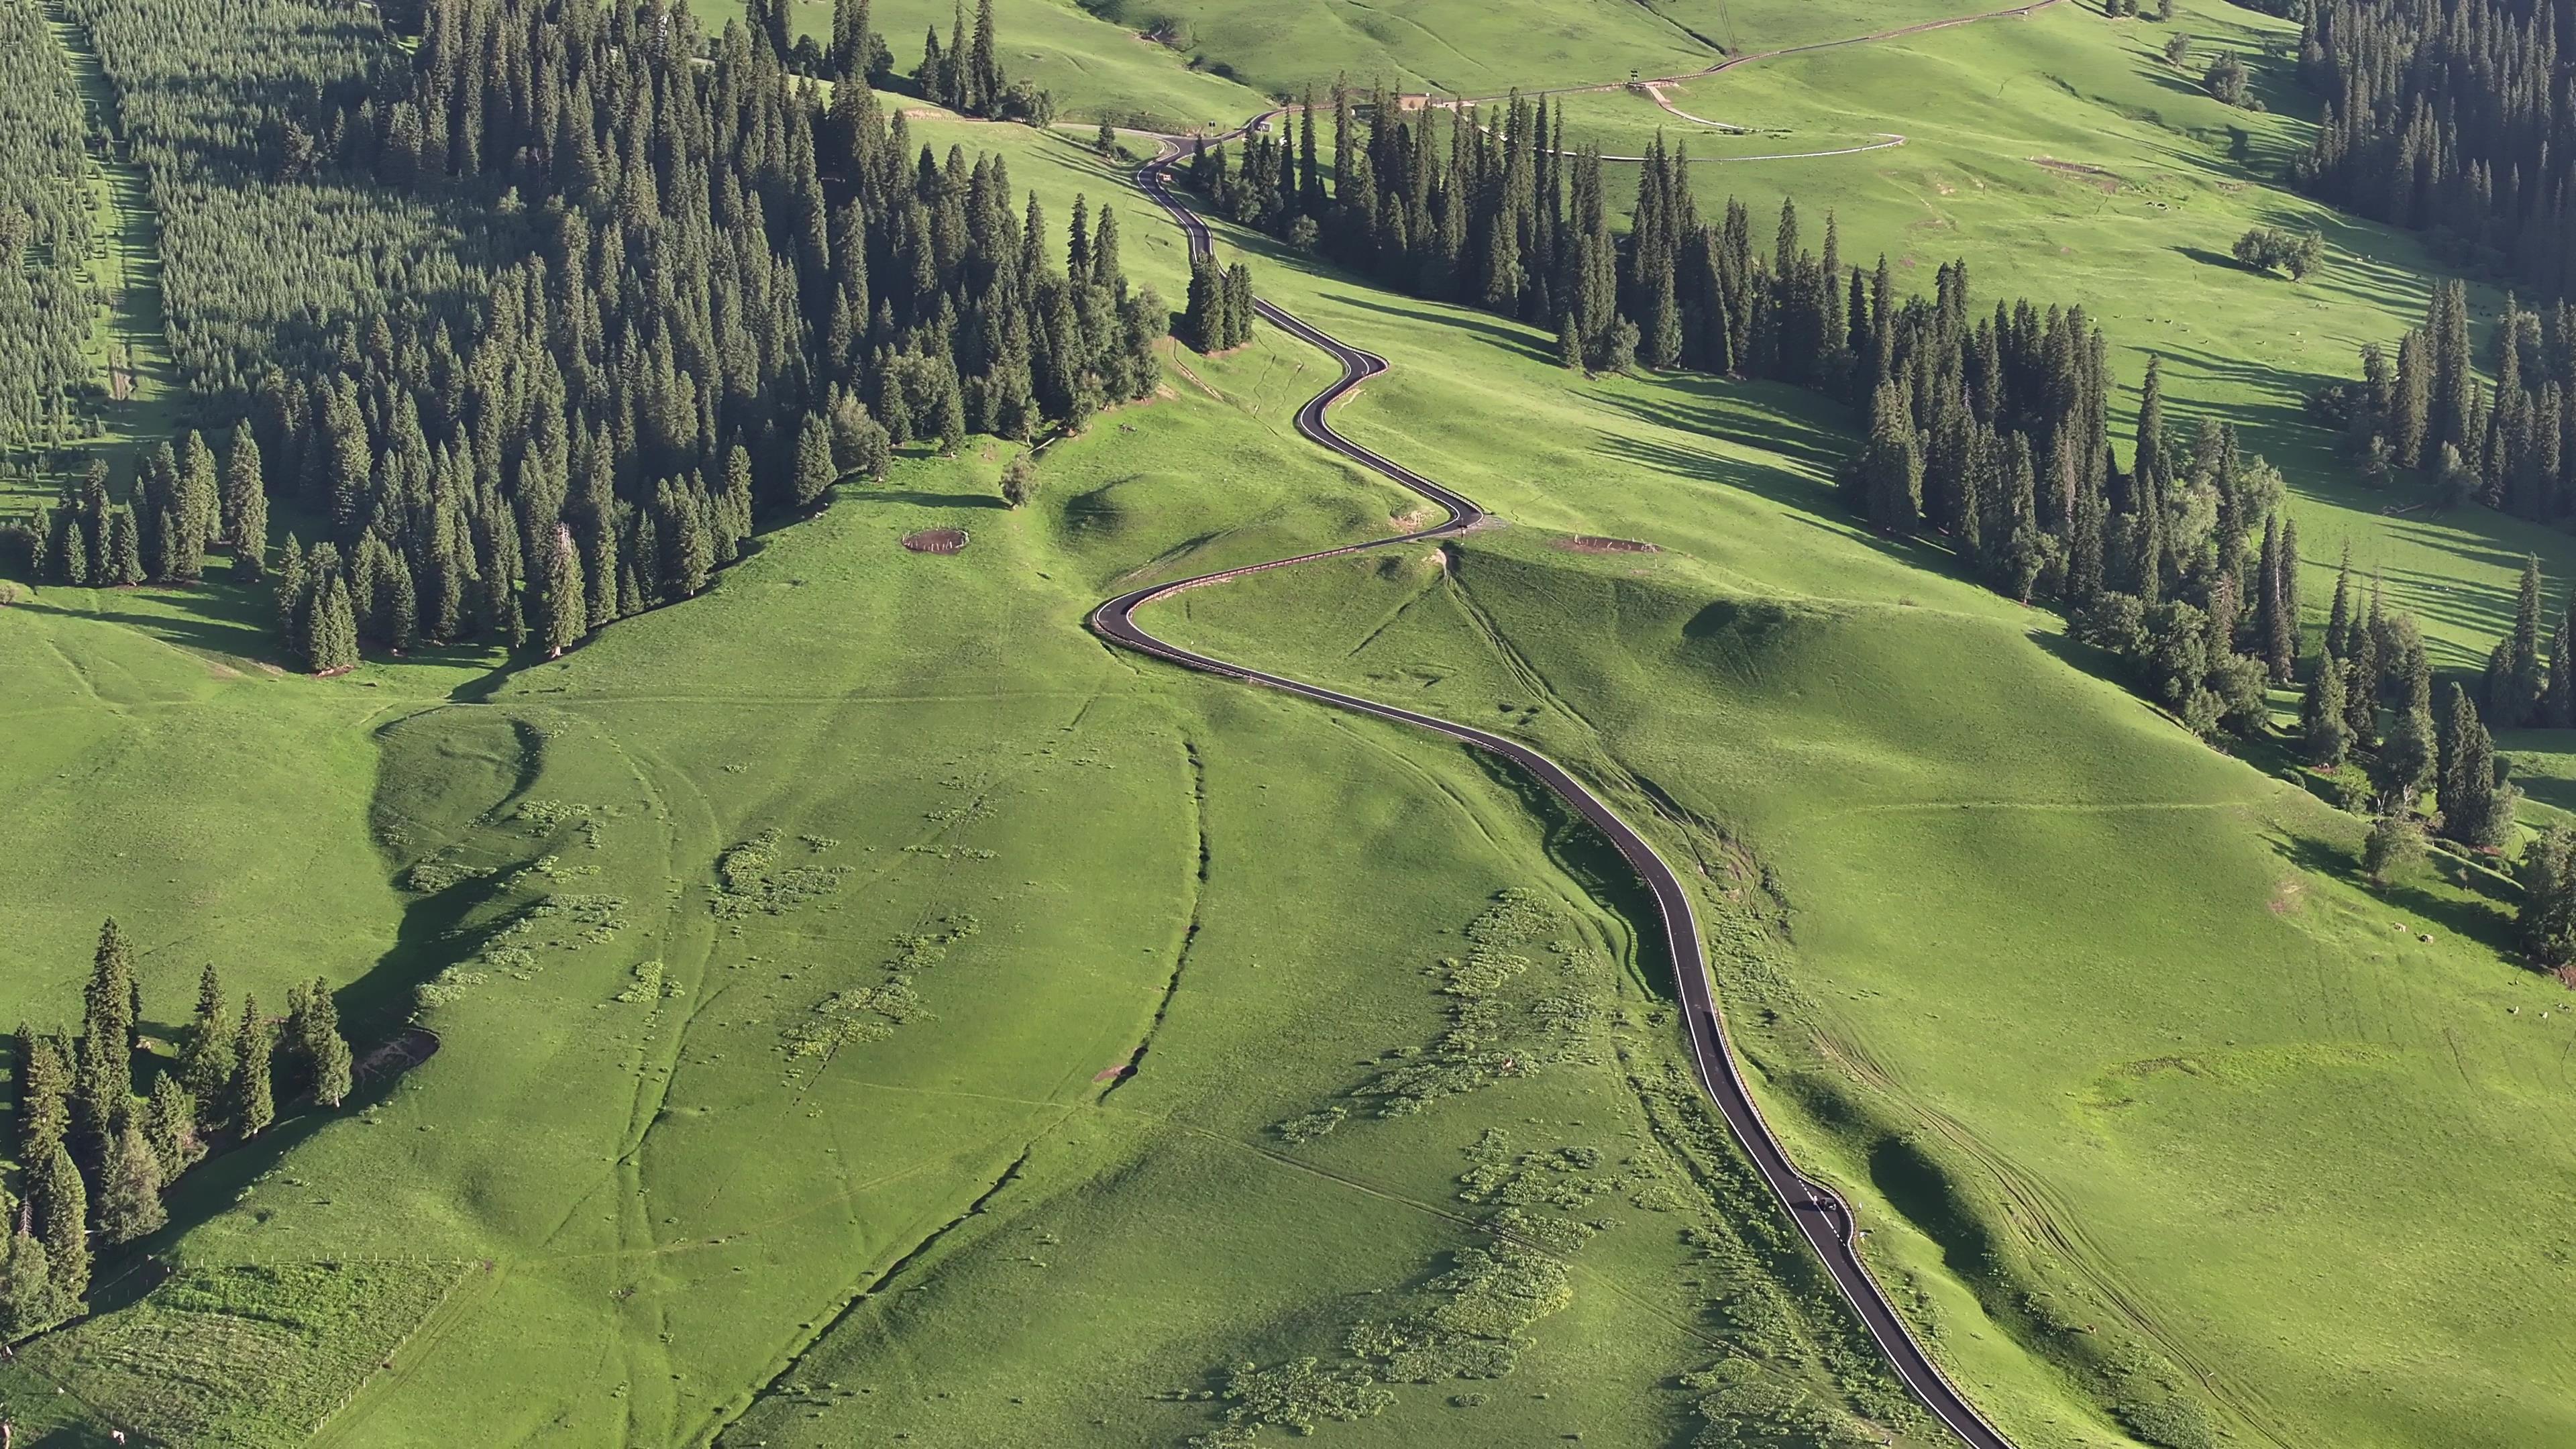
column 1820, row 1213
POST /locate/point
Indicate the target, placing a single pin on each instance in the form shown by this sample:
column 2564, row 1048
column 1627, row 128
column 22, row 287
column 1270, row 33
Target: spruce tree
column 129, row 1189
column 2546, row 921
column 852, row 46
column 196, row 509
column 983, row 62
column 254, row 1103
column 692, row 552
column 2408, row 760
column 29, row 1302
column 291, row 586
column 333, row 646
column 2153, row 473
column 245, row 508
column 326, row 1052
column 44, row 1095
column 561, row 611
column 1891, row 465
column 2558, row 702
column 123, row 565
column 206, row 1052
column 104, row 1080
column 1238, row 304
column 2292, row 615
column 170, row 1125
column 2361, row 689
column 1203, row 319
column 2526, row 668
column 60, row 1209
column 815, row 472
column 2325, row 732
column 2339, row 615
column 2477, row 806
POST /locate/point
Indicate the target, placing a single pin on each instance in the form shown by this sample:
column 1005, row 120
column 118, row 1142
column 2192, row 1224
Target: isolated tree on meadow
column 2394, row 846
column 2268, row 248
column 2226, row 78
column 2178, row 51
column 1020, row 481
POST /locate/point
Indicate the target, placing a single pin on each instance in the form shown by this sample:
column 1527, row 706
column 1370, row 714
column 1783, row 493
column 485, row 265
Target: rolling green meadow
column 867, row 1008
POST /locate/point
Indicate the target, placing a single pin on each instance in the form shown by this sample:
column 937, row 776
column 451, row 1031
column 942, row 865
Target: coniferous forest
column 712, row 292
column 44, row 233
column 2455, row 118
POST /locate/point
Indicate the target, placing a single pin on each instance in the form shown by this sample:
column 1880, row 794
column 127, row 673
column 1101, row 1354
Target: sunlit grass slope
column 2067, row 162
column 2099, row 1019
column 868, row 1006
column 1093, row 68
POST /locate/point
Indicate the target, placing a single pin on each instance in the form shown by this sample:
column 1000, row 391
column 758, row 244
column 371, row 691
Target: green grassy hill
column 859, row 977
column 869, row 1009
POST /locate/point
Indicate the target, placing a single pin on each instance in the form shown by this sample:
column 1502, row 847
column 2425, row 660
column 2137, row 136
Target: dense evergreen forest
column 710, row 293
column 45, row 231
column 2456, row 117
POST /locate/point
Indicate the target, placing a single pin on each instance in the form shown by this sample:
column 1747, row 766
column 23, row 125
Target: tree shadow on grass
column 374, row 1009
column 1771, row 417
column 921, row 499
column 2208, row 258
column 212, row 619
column 1494, row 330
column 2084, row 659
column 1799, row 497
column 2450, row 893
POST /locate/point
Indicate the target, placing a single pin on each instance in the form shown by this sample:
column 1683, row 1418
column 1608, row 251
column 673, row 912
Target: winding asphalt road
column 1820, row 1213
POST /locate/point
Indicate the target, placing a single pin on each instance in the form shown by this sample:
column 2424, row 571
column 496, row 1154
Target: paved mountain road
column 1820, row 1213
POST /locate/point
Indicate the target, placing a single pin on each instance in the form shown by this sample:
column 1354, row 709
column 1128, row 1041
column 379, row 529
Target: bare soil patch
column 936, row 540
column 2109, row 181
column 1587, row 543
